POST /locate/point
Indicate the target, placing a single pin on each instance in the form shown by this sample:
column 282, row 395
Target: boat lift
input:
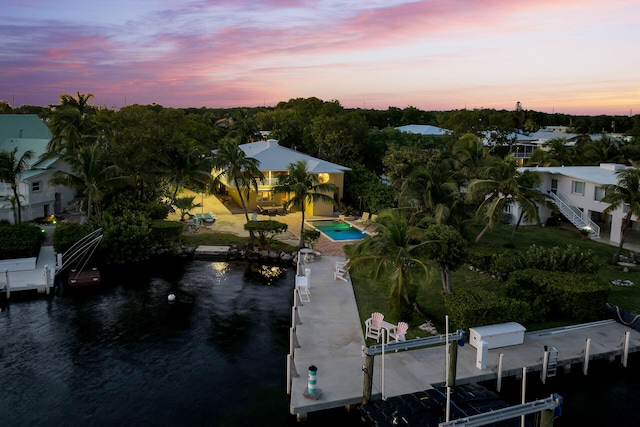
column 79, row 253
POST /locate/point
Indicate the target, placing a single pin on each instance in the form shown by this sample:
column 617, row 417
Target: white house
column 578, row 191
column 37, row 196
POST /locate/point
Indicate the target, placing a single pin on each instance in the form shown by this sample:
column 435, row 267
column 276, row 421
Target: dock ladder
column 552, row 363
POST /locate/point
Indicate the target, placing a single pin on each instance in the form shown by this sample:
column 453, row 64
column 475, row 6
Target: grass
column 372, row 296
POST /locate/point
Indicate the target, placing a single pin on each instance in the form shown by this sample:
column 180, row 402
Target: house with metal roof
column 577, row 192
column 38, row 197
column 274, row 161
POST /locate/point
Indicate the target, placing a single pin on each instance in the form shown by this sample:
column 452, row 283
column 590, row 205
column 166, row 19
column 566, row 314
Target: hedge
column 559, row 295
column 476, row 307
column 20, row 241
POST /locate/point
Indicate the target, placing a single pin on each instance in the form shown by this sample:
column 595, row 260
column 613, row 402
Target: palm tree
column 395, row 250
column 626, row 193
column 432, row 192
column 89, row 175
column 11, row 169
column 72, row 124
column 505, row 185
column 306, row 188
column 231, row 162
column 184, row 163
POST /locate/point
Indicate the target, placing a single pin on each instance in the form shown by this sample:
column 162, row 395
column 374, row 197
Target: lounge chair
column 398, row 333
column 364, row 218
column 373, row 325
column 302, row 286
column 209, row 218
column 254, row 216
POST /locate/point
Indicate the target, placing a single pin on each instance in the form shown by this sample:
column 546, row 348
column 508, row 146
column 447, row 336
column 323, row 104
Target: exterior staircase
column 575, row 216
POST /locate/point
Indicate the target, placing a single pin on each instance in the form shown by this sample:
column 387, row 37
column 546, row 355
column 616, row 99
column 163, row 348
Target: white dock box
column 501, row 335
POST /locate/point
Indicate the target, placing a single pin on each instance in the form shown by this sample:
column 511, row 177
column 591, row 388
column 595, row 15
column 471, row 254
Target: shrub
column 67, row 234
column 476, row 307
column 166, row 232
column 20, row 241
column 481, row 257
column 310, row 237
column 127, row 237
column 567, row 259
column 157, row 210
column 574, row 296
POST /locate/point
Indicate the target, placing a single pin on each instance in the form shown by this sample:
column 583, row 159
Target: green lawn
column 371, row 296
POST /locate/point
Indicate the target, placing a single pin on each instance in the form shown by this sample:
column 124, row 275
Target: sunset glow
column 568, row 56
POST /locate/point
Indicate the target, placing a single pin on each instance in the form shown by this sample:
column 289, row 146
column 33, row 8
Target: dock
column 326, row 334
column 39, row 278
column 211, row 252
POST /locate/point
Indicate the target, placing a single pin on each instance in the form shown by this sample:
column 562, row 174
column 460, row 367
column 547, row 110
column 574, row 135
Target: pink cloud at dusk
column 568, row 56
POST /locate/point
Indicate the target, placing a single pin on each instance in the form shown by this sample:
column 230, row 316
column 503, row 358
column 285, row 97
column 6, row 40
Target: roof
column 605, row 174
column 26, row 132
column 423, row 130
column 272, row 156
column 23, row 126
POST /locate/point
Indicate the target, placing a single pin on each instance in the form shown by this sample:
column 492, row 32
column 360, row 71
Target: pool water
column 337, row 229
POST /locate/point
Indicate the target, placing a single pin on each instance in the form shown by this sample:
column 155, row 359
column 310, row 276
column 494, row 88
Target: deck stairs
column 575, row 216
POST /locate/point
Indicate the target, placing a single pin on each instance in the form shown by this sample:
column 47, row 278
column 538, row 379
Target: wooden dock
column 40, row 278
column 326, row 333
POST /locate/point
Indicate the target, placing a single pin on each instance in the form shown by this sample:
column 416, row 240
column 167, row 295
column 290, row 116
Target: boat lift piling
column 368, row 353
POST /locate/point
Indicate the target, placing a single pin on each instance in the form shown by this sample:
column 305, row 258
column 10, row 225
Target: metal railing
column 575, row 216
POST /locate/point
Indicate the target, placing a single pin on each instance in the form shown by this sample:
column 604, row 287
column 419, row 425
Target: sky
column 563, row 56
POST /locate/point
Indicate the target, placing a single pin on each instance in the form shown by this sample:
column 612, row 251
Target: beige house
column 274, row 161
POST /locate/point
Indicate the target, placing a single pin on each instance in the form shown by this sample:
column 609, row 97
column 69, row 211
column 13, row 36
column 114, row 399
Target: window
column 577, row 187
column 36, row 186
column 264, row 196
column 507, row 208
column 599, row 193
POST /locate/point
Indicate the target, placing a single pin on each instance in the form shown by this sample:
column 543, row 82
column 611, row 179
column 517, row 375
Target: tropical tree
column 397, row 251
column 231, row 162
column 185, row 205
column 306, row 189
column 90, row 174
column 432, row 192
column 503, row 185
column 626, row 193
column 11, row 168
column 72, row 124
column 447, row 248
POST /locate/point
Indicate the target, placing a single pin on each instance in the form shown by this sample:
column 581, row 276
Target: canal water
column 123, row 355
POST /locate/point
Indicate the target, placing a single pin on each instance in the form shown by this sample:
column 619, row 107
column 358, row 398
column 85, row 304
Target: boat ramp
column 326, row 340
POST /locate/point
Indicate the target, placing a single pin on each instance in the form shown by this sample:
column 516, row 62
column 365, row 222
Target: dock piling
column 585, row 364
column 625, row 352
column 499, row 381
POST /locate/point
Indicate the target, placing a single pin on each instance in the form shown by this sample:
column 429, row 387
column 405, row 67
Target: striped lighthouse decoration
column 311, row 392
column 313, row 372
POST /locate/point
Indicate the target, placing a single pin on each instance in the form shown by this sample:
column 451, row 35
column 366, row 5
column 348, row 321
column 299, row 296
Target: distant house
column 274, row 162
column 577, row 192
column 38, row 197
column 423, row 130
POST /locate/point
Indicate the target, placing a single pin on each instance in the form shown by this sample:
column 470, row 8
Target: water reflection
column 125, row 356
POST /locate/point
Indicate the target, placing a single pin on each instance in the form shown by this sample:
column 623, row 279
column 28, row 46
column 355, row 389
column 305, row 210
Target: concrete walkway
column 329, row 335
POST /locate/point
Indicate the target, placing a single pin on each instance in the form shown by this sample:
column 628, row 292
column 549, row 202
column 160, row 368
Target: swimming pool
column 337, row 229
